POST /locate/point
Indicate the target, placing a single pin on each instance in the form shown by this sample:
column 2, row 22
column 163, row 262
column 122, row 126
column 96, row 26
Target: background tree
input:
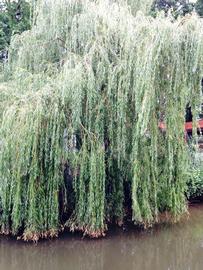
column 199, row 7
column 14, row 18
column 178, row 7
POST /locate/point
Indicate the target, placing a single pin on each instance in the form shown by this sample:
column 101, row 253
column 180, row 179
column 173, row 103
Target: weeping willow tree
column 81, row 99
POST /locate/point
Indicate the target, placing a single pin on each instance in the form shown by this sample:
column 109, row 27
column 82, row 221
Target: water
column 177, row 247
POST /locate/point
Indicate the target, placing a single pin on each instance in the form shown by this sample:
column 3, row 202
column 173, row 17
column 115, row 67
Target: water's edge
column 178, row 246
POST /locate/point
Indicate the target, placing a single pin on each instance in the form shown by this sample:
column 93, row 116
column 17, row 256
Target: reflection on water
column 178, row 247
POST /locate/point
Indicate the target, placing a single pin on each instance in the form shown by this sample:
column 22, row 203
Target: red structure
column 188, row 126
column 188, row 131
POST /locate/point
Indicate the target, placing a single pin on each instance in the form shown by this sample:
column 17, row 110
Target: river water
column 167, row 247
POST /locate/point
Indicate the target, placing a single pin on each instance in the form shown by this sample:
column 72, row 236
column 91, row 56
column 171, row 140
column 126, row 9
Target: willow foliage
column 81, row 99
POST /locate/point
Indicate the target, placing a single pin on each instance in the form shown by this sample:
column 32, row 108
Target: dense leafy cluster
column 177, row 8
column 195, row 176
column 81, row 100
column 199, row 7
column 14, row 18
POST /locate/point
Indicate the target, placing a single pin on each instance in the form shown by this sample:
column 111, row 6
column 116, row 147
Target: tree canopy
column 81, row 99
column 14, row 18
column 199, row 7
column 177, row 7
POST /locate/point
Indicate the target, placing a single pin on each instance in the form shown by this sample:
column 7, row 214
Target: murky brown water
column 178, row 247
